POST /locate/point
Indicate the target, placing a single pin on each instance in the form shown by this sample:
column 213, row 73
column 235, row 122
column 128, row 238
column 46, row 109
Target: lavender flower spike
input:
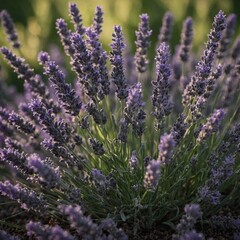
column 186, row 39
column 188, row 220
column 84, row 225
column 65, row 35
column 133, row 161
column 98, row 20
column 152, row 175
column 198, row 82
column 68, row 96
column 116, row 60
column 133, row 111
column 142, row 43
column 212, row 125
column 28, row 199
column 47, row 175
column 76, row 18
column 166, row 29
column 44, row 232
column 4, row 235
column 227, row 35
column 160, row 97
column 166, row 146
column 9, row 27
column 58, row 130
column 21, row 124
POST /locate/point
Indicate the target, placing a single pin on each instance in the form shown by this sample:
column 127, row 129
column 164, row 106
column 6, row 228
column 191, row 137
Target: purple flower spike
column 98, row 20
column 76, row 18
column 186, row 39
column 116, row 60
column 71, row 101
column 199, row 80
column 166, row 147
column 65, row 35
column 9, row 28
column 99, row 59
column 123, row 130
column 166, row 29
column 21, row 124
column 212, row 125
column 133, row 111
column 152, row 175
column 133, row 161
column 15, row 158
column 227, row 35
column 142, row 43
column 44, row 232
column 188, row 220
column 28, row 199
column 88, row 75
column 48, row 176
column 160, row 97
column 58, row 130
column 84, row 225
column 4, row 235
column 24, row 71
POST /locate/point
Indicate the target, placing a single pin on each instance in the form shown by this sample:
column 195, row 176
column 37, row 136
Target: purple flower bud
column 198, row 82
column 9, row 28
column 27, row 198
column 212, row 125
column 21, row 124
column 186, row 39
column 192, row 235
column 160, row 97
column 97, row 147
column 99, row 59
column 98, row 20
column 71, row 101
column 166, row 148
column 166, row 29
column 34, row 82
column 133, row 161
column 76, row 18
column 4, row 235
column 48, row 176
column 179, row 128
column 110, row 226
column 133, row 112
column 123, row 129
column 142, row 43
column 99, row 178
column 65, row 35
column 188, row 220
column 227, row 166
column 116, row 60
column 88, row 75
column 99, row 116
column 227, row 35
column 58, row 130
column 43, row 232
column 84, row 225
column 208, row 196
column 152, row 175
column 16, row 159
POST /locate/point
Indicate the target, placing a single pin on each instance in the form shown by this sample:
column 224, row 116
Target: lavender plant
column 84, row 163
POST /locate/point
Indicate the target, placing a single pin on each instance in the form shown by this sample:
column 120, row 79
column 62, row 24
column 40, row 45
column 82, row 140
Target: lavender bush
column 84, row 158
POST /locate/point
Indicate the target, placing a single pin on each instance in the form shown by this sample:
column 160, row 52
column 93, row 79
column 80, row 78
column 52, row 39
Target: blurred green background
column 35, row 19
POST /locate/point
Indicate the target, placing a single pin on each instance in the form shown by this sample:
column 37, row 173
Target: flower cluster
column 85, row 159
